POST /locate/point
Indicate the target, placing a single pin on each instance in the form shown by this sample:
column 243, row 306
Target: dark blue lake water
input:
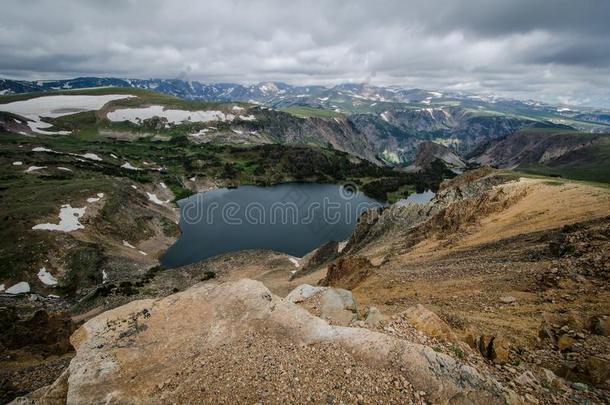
column 292, row 218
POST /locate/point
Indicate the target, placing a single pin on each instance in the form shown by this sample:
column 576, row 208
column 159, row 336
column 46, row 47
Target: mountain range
column 388, row 122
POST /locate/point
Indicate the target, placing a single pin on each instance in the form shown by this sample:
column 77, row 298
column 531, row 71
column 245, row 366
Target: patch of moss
column 170, row 229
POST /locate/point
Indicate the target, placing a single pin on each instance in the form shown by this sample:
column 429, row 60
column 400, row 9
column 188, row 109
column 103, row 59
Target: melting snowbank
column 46, row 277
column 68, row 220
column 19, row 288
column 153, row 197
column 35, row 109
column 128, row 166
column 137, row 115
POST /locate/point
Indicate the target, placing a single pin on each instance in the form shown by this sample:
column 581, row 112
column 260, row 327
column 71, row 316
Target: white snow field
column 68, row 220
column 35, row 109
column 136, row 115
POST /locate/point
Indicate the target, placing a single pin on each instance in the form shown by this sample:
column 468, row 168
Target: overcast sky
column 549, row 50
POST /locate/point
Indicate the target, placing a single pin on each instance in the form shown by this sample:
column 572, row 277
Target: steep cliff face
column 532, row 146
column 337, row 132
column 461, row 128
column 397, row 133
column 428, row 152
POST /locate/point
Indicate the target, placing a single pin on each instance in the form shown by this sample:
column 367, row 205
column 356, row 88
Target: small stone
column 552, row 380
column 526, row 378
column 580, row 386
column 507, row 299
column 565, row 342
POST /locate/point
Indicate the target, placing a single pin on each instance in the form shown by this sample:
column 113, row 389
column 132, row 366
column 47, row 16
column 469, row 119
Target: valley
column 493, row 287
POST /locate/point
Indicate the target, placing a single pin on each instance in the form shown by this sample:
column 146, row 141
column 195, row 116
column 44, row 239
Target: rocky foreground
column 237, row 342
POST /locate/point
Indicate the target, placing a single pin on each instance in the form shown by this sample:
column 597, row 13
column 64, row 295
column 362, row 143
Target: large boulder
column 304, row 292
column 334, row 305
column 429, row 323
column 494, row 348
column 238, row 343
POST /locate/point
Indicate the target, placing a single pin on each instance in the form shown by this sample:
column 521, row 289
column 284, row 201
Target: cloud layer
column 550, row 50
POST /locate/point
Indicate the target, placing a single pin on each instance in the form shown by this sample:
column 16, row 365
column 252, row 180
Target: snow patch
column 128, row 166
column 129, row 245
column 162, row 185
column 294, row 261
column 247, row 117
column 341, row 246
column 36, row 108
column 137, row 115
column 68, row 220
column 19, row 288
column 17, row 163
column 46, row 277
column 64, row 169
column 91, row 156
column 95, row 199
column 153, row 197
column 42, row 149
column 34, row 168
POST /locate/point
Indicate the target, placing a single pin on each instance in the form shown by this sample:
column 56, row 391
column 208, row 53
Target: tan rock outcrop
column 335, row 305
column 176, row 349
column 429, row 323
column 347, row 272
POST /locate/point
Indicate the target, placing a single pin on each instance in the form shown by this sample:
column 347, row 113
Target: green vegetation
column 307, row 111
column 84, row 265
column 457, row 350
column 401, row 184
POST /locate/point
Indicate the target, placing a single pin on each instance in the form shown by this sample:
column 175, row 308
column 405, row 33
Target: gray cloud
column 553, row 50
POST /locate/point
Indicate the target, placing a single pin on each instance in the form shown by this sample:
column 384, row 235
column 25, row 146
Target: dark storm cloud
column 554, row 50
